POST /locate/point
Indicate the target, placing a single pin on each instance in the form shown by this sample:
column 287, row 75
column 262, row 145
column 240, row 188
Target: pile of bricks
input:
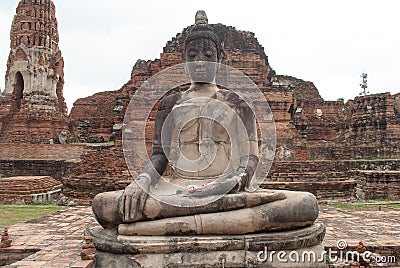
column 23, row 190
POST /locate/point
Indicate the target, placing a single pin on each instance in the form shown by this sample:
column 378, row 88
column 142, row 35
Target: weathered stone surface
column 68, row 152
column 242, row 52
column 304, row 91
column 204, row 251
column 228, row 259
column 231, row 162
column 308, row 128
column 327, row 180
column 105, row 205
column 371, row 130
column 32, row 106
column 297, row 210
column 69, row 224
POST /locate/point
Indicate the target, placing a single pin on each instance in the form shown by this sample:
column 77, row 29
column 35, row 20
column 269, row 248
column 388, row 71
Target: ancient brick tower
column 32, row 106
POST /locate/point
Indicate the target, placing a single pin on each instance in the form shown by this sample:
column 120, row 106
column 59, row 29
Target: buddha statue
column 209, row 137
column 209, row 206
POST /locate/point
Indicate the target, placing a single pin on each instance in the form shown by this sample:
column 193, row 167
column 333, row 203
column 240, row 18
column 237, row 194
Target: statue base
column 294, row 248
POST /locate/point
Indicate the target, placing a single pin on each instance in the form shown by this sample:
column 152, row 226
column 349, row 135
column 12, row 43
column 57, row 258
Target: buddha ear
column 220, row 58
column 221, row 55
column 218, row 66
column 185, row 67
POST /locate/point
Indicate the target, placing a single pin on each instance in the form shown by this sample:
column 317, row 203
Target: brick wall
column 332, row 167
column 53, row 160
column 41, row 151
column 330, row 180
column 13, row 254
column 102, row 169
column 54, row 168
column 323, row 191
column 325, row 120
column 373, row 184
column 92, row 118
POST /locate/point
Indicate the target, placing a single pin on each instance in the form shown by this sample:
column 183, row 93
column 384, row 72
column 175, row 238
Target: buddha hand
column 219, row 187
column 132, row 201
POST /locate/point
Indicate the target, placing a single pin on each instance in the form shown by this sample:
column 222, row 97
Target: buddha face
column 201, row 60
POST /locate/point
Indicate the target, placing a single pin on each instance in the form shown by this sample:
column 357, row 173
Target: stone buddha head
column 202, row 52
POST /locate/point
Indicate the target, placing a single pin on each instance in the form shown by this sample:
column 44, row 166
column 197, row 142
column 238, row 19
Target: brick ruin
column 101, row 169
column 337, row 180
column 312, row 134
column 32, row 106
column 25, row 190
column 309, row 129
column 368, row 129
column 55, row 160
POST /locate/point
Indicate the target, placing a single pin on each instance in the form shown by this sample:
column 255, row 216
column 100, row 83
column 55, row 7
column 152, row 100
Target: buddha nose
column 200, row 63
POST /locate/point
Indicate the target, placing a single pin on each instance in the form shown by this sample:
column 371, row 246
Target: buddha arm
column 157, row 164
column 132, row 201
column 248, row 145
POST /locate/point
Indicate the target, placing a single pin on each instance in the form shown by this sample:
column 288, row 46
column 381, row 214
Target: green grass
column 362, row 206
column 110, row 143
column 15, row 214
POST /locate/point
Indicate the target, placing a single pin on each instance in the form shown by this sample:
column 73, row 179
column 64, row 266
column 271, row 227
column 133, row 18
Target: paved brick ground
column 373, row 228
column 59, row 237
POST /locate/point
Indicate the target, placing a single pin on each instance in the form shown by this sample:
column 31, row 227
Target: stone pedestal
column 295, row 248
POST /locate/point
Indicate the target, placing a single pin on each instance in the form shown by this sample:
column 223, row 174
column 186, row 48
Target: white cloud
column 328, row 42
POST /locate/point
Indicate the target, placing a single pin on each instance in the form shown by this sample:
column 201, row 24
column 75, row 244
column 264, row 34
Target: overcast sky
column 327, row 42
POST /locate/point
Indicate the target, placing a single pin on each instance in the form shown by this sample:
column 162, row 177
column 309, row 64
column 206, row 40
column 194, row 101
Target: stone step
column 305, row 179
column 322, row 190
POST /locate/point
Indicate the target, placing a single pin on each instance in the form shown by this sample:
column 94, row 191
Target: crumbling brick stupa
column 32, row 106
column 318, row 141
column 242, row 51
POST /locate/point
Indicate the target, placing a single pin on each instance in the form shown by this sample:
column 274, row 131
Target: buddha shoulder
column 168, row 102
column 234, row 98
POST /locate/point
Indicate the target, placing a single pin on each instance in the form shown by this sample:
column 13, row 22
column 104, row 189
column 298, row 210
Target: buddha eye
column 192, row 54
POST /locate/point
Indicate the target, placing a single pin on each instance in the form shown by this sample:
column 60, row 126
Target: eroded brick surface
column 53, row 160
column 307, row 127
column 101, row 169
column 25, row 190
column 32, row 106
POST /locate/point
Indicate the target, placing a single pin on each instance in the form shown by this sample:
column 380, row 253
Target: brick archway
column 19, row 88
